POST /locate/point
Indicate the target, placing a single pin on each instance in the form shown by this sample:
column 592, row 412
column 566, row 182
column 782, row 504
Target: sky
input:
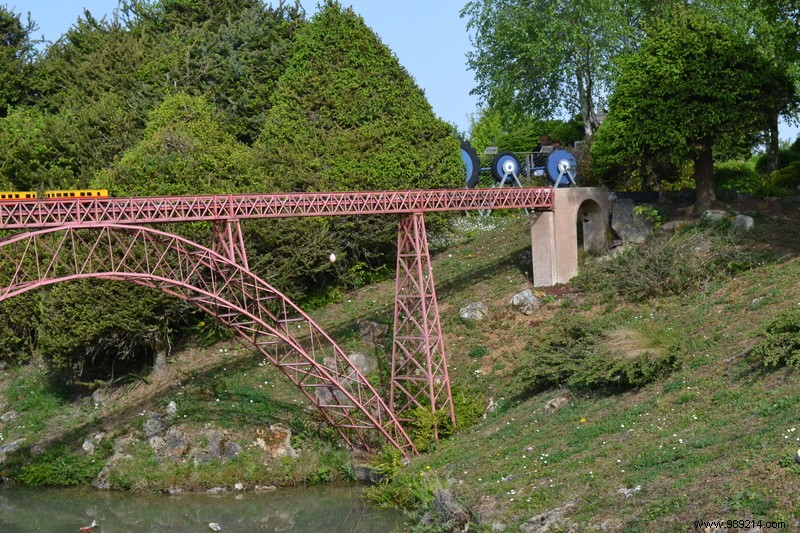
column 428, row 37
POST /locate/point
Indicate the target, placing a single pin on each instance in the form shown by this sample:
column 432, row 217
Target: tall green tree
column 694, row 85
column 545, row 58
column 345, row 116
column 17, row 55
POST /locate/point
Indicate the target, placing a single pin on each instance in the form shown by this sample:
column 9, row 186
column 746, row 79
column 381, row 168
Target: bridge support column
column 555, row 234
column 419, row 365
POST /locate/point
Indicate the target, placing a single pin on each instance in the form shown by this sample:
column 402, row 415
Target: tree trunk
column 584, row 98
column 704, row 178
column 773, row 144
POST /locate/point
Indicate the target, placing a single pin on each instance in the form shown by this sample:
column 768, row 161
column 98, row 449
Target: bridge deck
column 151, row 210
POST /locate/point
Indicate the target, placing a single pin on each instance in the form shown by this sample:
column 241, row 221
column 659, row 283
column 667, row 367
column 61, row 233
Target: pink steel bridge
column 62, row 240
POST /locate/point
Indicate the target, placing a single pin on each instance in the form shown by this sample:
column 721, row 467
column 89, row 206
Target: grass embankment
column 669, row 388
column 689, row 401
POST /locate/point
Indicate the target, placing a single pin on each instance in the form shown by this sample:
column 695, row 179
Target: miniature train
column 70, row 194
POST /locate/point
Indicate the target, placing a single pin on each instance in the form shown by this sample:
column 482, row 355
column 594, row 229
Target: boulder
column 8, row 417
column 474, row 311
column 364, row 363
column 172, row 409
column 632, row 228
column 372, row 331
column 525, row 302
column 277, row 442
column 556, row 403
column 742, row 223
column 11, row 447
column 153, row 425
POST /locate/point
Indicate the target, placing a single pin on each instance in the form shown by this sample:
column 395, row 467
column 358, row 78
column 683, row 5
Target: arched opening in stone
column 591, row 228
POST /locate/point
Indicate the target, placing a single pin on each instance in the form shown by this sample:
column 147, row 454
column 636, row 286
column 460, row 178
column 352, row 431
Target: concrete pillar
column 554, row 234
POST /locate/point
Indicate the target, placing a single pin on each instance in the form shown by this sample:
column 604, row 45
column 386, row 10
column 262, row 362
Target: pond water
column 306, row 509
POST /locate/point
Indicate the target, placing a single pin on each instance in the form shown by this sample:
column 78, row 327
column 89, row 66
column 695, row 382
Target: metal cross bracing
column 152, row 210
column 419, row 365
column 106, row 238
column 276, row 327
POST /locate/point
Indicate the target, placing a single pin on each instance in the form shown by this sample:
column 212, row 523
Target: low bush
column 585, row 355
column 59, row 467
column 780, row 342
column 739, row 176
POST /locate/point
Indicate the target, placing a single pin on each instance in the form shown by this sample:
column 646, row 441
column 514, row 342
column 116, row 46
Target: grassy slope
column 712, row 440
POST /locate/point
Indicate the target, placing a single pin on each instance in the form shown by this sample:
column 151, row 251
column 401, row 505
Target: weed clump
column 666, row 265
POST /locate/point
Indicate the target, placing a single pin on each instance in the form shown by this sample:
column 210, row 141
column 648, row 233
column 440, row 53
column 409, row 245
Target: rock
column 239, row 486
column 172, row 409
column 372, row 331
column 153, row 425
column 677, row 225
column 366, row 474
column 277, row 442
column 103, row 481
column 552, row 520
column 9, row 448
column 99, row 396
column 525, row 302
column 498, row 526
column 172, row 446
column 88, row 446
column 448, row 511
column 629, row 492
column 715, row 215
column 628, row 225
column 556, row 403
column 742, row 223
column 220, row 446
column 216, row 490
column 474, row 311
column 8, row 417
column 364, row 363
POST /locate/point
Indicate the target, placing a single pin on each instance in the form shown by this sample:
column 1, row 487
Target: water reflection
column 307, row 509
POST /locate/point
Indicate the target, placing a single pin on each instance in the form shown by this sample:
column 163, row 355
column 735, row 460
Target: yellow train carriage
column 76, row 194
column 17, row 196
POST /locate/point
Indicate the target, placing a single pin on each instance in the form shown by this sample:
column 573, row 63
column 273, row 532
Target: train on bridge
column 70, row 194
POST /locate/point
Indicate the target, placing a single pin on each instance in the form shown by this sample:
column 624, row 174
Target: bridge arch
column 256, row 311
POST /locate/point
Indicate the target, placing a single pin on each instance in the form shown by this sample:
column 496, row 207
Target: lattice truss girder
column 151, row 210
column 419, row 365
column 280, row 330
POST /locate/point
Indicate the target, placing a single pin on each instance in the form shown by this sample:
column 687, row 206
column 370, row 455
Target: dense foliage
column 694, row 86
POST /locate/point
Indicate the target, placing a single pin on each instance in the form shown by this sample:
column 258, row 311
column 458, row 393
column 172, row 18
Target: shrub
column 780, row 342
column 592, row 356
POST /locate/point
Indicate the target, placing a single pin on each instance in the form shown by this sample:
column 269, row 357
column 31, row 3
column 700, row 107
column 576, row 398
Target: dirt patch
column 629, row 344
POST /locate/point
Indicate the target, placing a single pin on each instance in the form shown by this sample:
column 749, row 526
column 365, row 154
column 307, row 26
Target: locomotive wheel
column 505, row 165
column 472, row 166
column 560, row 163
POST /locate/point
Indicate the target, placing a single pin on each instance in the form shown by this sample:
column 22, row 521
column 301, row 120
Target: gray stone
column 99, row 396
column 556, row 403
column 103, row 479
column 525, row 302
column 11, row 447
column 364, row 363
column 629, row 492
column 552, row 520
column 742, row 223
column 628, row 225
column 88, row 447
column 172, row 409
column 276, row 442
column 153, row 425
column 715, row 215
column 366, row 474
column 474, row 311
column 448, row 511
column 372, row 331
column 8, row 417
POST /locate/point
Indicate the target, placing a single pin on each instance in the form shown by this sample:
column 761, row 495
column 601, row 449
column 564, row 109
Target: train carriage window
column 72, row 194
column 83, row 194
